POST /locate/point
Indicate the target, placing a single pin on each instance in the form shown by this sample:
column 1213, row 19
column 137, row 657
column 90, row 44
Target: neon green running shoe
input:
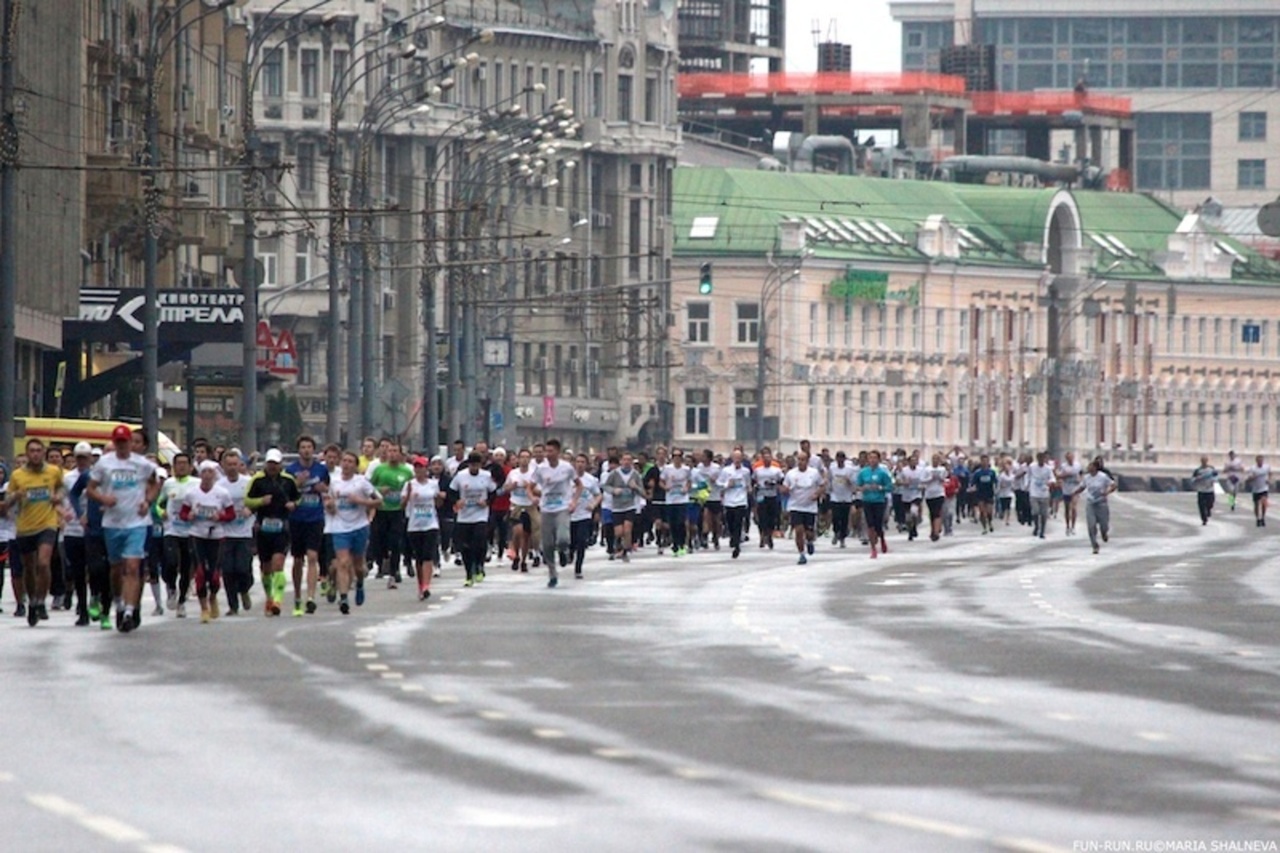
column 297, row 608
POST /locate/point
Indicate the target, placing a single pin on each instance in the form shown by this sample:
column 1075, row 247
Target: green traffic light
column 704, row 287
column 704, row 281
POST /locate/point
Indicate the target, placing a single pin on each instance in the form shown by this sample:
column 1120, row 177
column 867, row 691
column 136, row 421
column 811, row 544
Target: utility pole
column 1053, row 382
column 151, row 242
column 9, row 151
column 249, row 271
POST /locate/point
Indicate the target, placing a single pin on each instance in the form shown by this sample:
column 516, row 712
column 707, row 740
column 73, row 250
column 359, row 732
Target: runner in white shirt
column 205, row 510
column 346, row 519
column 1258, row 479
column 843, row 476
column 713, row 509
column 1040, row 480
column 179, row 561
column 626, row 486
column 1069, row 474
column 1096, row 485
column 74, row 550
column 1233, row 471
column 804, row 487
column 471, row 490
column 237, row 545
column 735, row 485
column 522, row 509
column 1006, row 482
column 581, row 511
column 911, row 479
column 678, row 482
column 556, row 485
column 933, row 482
column 421, row 500
column 766, row 478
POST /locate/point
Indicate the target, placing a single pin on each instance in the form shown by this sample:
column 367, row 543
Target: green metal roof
column 876, row 219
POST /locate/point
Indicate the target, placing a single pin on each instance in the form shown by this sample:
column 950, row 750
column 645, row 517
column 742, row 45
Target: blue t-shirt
column 984, row 482
column 876, row 484
column 310, row 507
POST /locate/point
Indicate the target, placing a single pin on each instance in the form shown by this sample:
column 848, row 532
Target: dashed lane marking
column 1265, row 815
column 613, row 753
column 108, row 827
column 367, row 655
column 1154, row 737
column 1025, row 845
column 393, row 676
column 444, row 699
column 493, row 715
column 694, row 774
column 376, row 667
column 804, row 801
column 923, row 824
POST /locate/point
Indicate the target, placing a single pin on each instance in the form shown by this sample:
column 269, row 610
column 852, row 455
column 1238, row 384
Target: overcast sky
column 876, row 38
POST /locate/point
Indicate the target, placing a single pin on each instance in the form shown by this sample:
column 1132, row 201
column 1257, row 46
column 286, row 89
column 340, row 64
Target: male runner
column 35, row 491
column 125, row 484
column 306, row 522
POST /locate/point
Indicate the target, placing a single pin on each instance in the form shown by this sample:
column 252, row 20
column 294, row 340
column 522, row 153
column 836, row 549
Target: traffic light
column 704, row 279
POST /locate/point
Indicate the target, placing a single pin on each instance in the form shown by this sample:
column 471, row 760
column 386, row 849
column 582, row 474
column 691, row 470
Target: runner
column 766, row 478
column 500, row 506
column 910, row 482
column 627, row 488
column 875, row 484
column 272, row 495
column 844, row 476
column 75, row 517
column 1006, row 485
column 934, row 480
column 1203, row 479
column 178, row 558
column 677, row 480
column 386, row 535
column 470, row 491
column 237, row 546
column 655, row 510
column 1233, row 471
column 517, row 486
column 1096, row 486
column 421, row 500
column 713, row 509
column 1040, row 480
column 306, row 522
column 6, row 530
column 1258, row 479
column 983, row 482
column 804, row 487
column 346, row 507
column 1068, row 473
column 206, row 509
column 35, row 492
column 124, row 483
column 556, row 485
column 581, row 510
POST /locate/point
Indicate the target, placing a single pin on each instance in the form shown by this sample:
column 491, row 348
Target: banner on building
column 109, row 315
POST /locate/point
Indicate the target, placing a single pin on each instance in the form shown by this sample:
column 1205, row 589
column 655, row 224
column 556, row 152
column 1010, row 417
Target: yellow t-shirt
column 38, row 509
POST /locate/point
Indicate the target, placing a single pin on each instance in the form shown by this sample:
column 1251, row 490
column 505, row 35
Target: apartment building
column 916, row 314
column 1201, row 76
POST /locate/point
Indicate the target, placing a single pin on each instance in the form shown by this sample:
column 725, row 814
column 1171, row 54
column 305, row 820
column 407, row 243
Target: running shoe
column 297, row 609
column 104, row 620
column 82, row 618
column 577, row 575
column 479, row 576
column 803, row 559
column 331, row 593
column 159, row 611
column 173, row 599
column 278, row 584
column 95, row 610
column 33, row 615
column 553, row 583
column 214, row 613
column 343, row 607
column 874, row 554
column 311, row 607
column 436, row 573
column 204, row 616
column 424, row 594
column 809, row 546
column 468, row 582
column 411, row 570
column 391, row 582
column 360, row 593
column 736, row 551
column 246, row 603
column 182, row 611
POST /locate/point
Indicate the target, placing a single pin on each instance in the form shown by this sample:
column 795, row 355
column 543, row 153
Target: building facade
column 1202, row 77
column 916, row 314
column 570, row 272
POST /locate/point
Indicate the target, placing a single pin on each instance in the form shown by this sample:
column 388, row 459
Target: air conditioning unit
column 388, row 300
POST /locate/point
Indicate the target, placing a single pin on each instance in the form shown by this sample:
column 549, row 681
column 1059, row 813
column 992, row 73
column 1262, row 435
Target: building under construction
column 734, row 36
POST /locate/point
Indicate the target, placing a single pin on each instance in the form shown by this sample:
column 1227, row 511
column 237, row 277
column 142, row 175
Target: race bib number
column 124, row 479
column 473, row 498
column 423, row 512
column 206, row 513
column 38, row 495
column 345, row 504
column 310, row 500
column 272, row 525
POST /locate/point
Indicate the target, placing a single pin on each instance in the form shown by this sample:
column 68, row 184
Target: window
column 597, row 94
column 526, row 369
column 846, row 406
column 747, row 320
column 339, row 63
column 813, row 411
column 273, row 73
column 697, row 411
column 593, row 372
column 899, row 325
column 1173, row 150
column 302, row 259
column 310, row 73
column 306, row 176
column 831, row 324
column 1251, row 174
column 813, row 323
column 559, row 366
column 829, row 411
column 744, row 404
column 306, row 351
column 699, row 322
column 270, row 268
column 624, row 97
column 651, row 99
column 864, row 410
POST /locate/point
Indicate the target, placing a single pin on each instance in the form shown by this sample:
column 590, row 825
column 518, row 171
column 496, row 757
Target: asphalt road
column 983, row 693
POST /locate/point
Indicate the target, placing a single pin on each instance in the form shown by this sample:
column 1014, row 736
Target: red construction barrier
column 1049, row 103
column 823, row 83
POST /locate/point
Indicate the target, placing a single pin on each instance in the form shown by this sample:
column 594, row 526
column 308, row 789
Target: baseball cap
column 121, row 433
column 97, row 452
column 274, row 455
column 83, row 448
column 162, row 473
column 420, row 461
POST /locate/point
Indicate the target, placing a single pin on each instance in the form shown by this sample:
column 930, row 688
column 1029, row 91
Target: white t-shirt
column 733, row 482
column 912, row 481
column 8, row 525
column 767, row 480
column 1039, row 478
column 1096, row 487
column 710, row 473
column 1259, row 479
column 520, row 489
column 843, row 480
column 803, row 488
column 348, row 516
column 126, row 480
column 1006, row 482
column 934, row 481
column 590, row 491
column 171, row 495
column 73, row 511
column 1234, row 468
column 556, row 485
column 419, row 501
column 242, row 526
column 677, row 481
column 473, row 492
column 1069, row 476
column 205, row 509
column 453, row 464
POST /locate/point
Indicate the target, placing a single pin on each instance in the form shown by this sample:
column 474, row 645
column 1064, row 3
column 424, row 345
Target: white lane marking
column 1266, row 815
column 493, row 715
column 393, row 676
column 1026, row 845
column 880, row 679
column 694, row 774
column 1062, row 716
column 791, row 798
column 376, row 667
column 108, row 827
column 613, row 753
column 494, row 819
column 6, row 777
column 924, row 824
column 162, row 848
column 412, row 688
column 548, row 734
column 444, row 699
column 842, row 670
column 928, row 691
column 434, row 606
column 1154, row 737
column 367, row 655
column 365, row 644
column 984, row 700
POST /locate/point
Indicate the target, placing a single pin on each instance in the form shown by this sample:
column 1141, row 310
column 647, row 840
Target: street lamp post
column 772, row 286
column 9, row 151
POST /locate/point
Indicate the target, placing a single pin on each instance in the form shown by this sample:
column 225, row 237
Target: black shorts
column 621, row 517
column 807, row 520
column 424, row 546
column 29, row 544
column 520, row 515
column 271, row 544
column 1259, row 497
column 305, row 536
column 713, row 506
column 824, row 505
column 935, row 506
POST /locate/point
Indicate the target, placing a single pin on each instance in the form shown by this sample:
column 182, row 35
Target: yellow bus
column 65, row 432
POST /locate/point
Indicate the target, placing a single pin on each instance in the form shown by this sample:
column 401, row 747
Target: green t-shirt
column 393, row 477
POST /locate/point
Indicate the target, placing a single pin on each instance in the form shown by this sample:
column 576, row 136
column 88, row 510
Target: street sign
column 496, row 422
column 1251, row 333
column 110, row 315
column 548, row 412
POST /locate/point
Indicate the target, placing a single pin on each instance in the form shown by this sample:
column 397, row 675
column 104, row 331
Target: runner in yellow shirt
column 36, row 490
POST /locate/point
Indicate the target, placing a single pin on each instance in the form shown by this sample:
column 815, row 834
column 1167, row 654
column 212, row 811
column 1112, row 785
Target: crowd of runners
column 91, row 530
